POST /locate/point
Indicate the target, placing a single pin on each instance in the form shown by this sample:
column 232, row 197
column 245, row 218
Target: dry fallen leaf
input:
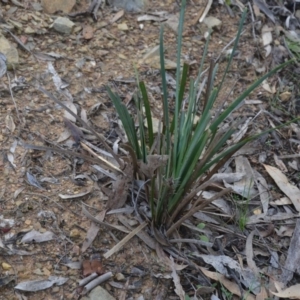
column 281, row 180
column 178, row 287
column 117, row 16
column 249, row 254
column 292, row 292
column 38, row 285
column 10, row 124
column 230, row 285
column 280, row 163
column 73, row 108
column 92, row 232
column 91, row 266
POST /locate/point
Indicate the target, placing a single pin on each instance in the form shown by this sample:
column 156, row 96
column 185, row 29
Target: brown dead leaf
column 91, row 266
column 88, row 32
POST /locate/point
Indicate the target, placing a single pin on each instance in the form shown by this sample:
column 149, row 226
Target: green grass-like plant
column 191, row 144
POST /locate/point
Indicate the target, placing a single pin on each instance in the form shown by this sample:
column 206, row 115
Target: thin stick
column 253, row 20
column 124, row 241
column 96, row 282
column 84, row 146
column 13, row 99
column 86, row 280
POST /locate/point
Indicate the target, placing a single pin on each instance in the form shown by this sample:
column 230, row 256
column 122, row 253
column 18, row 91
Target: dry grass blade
column 106, row 225
column 117, row 247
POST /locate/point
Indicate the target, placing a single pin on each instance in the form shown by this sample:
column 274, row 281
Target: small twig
column 86, row 280
column 289, row 156
column 96, row 282
column 193, row 241
column 230, row 43
column 98, row 222
column 13, row 99
column 253, row 20
column 84, row 146
column 195, row 209
column 134, row 201
column 125, row 240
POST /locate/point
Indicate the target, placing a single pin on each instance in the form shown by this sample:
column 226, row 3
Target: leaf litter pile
column 72, row 215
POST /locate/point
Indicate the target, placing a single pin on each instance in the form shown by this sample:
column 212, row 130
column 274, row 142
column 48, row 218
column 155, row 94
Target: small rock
column 212, row 22
column 52, row 6
column 28, row 222
column 38, row 272
column 46, row 272
column 285, row 96
column 16, row 24
column 63, row 25
column 119, row 276
column 122, row 26
column 129, row 5
column 29, row 30
column 122, row 56
column 6, row 266
column 98, row 293
column 55, row 289
column 10, row 52
column 74, row 233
